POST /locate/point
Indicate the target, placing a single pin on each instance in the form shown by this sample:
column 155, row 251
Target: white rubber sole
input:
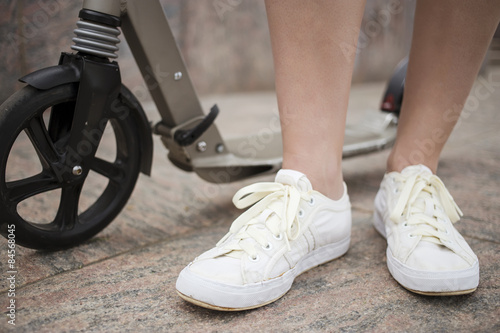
column 218, row 296
column 430, row 283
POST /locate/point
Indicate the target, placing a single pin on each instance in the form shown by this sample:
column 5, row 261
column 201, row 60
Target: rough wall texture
column 225, row 43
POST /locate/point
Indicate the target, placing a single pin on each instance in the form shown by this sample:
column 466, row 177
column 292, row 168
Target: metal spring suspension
column 96, row 39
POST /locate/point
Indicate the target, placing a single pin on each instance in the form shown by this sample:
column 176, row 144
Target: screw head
column 77, row 170
column 177, row 76
column 201, row 146
column 219, row 148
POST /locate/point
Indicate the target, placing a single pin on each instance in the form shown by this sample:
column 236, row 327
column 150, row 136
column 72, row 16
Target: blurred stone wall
column 225, row 43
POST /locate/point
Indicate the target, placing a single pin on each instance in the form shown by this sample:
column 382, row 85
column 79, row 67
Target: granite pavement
column 123, row 279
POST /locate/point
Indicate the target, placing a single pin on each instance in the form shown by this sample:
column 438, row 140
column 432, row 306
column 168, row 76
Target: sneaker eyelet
column 301, row 213
column 268, row 247
column 311, row 202
column 405, row 224
column 396, row 191
column 278, row 237
column 254, row 258
column 411, row 236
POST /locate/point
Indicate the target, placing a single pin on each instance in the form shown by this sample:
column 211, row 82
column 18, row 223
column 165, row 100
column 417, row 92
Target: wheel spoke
column 42, row 143
column 61, row 117
column 20, row 190
column 67, row 213
column 112, row 171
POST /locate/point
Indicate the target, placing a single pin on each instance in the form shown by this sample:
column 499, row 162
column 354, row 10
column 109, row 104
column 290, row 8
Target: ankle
column 397, row 162
column 328, row 183
column 331, row 189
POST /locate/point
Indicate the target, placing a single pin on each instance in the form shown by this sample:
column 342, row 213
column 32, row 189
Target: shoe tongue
column 294, row 178
column 414, row 169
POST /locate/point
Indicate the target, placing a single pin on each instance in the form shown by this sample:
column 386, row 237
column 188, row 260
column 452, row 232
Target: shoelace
column 275, row 208
column 425, row 202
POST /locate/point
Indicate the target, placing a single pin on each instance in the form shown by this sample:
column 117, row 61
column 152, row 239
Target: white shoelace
column 425, row 202
column 275, row 209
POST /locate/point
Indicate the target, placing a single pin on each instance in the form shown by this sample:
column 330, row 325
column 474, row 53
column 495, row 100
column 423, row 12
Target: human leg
column 449, row 42
column 313, row 78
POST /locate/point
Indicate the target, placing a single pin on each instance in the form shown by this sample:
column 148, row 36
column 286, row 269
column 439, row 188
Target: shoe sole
column 222, row 297
column 441, row 283
column 220, row 308
column 444, row 293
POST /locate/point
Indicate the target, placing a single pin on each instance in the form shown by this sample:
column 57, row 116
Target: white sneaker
column 425, row 253
column 289, row 229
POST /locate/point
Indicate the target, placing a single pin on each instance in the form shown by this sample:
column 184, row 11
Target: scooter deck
column 255, row 154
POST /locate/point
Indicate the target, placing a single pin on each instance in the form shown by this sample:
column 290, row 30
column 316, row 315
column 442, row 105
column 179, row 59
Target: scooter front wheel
column 48, row 200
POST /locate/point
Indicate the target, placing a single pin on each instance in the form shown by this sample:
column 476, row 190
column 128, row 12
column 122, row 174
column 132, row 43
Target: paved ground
column 123, row 279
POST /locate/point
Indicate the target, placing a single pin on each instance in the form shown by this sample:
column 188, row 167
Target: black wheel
column 54, row 205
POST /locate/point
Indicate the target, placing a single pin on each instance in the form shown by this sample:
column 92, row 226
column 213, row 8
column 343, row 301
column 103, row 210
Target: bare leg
column 450, row 40
column 313, row 78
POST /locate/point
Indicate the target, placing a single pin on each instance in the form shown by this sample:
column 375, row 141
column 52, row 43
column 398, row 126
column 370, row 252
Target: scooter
column 65, row 109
